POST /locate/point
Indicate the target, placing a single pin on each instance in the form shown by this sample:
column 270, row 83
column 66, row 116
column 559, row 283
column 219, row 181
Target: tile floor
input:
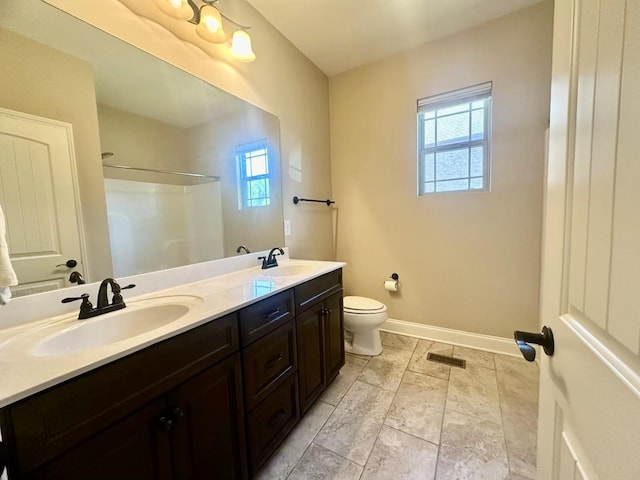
column 398, row 415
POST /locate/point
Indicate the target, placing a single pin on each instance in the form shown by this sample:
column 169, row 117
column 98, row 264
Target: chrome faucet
column 86, row 308
column 270, row 260
column 242, row 247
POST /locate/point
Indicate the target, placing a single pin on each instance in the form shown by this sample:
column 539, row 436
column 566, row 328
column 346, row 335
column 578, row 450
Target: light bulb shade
column 176, row 8
column 210, row 26
column 241, row 46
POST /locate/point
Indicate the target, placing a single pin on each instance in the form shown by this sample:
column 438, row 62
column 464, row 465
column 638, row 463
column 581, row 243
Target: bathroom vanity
column 211, row 401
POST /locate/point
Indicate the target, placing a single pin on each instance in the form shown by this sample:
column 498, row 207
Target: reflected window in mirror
column 263, row 287
column 151, row 115
column 254, row 178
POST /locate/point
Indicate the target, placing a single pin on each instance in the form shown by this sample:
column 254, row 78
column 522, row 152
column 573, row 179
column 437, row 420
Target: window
column 253, row 167
column 453, row 140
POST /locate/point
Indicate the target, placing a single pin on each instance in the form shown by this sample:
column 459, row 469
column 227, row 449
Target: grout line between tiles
column 412, row 435
column 311, row 442
column 382, row 424
column 444, row 412
column 298, row 461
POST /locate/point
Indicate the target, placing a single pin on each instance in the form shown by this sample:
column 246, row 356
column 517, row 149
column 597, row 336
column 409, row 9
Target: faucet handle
column 85, row 306
column 117, row 297
column 84, row 297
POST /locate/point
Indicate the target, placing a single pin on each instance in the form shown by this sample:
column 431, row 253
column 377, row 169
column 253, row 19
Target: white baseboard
column 489, row 343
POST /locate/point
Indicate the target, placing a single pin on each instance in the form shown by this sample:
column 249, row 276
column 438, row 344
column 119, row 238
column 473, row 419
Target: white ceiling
column 338, row 35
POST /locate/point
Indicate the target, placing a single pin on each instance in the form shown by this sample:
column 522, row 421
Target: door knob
column 523, row 339
column 69, row 264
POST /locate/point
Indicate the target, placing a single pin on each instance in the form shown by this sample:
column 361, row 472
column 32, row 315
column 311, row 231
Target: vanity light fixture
column 208, row 21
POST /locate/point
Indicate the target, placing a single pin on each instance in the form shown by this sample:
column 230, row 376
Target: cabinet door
column 207, row 437
column 136, row 447
column 333, row 336
column 311, row 362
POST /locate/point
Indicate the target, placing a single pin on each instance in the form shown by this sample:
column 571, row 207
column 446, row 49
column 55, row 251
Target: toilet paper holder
column 393, row 284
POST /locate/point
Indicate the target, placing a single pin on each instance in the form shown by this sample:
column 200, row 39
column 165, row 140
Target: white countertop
column 24, row 371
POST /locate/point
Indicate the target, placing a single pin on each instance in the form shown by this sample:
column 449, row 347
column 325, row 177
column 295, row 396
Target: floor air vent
column 454, row 362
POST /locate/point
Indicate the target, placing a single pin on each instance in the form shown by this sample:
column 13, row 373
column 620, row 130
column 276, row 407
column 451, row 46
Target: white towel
column 5, row 295
column 7, row 274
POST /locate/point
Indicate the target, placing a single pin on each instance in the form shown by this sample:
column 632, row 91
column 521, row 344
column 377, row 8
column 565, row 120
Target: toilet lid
column 363, row 304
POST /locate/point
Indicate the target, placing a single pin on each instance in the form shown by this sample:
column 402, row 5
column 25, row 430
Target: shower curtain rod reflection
column 183, row 174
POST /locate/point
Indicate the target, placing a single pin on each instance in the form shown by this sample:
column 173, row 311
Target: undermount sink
column 288, row 270
column 112, row 327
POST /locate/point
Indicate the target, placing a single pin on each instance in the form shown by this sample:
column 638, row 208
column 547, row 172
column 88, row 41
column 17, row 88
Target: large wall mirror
column 167, row 170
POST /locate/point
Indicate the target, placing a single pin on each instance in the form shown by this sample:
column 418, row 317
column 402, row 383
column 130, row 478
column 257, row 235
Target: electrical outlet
column 287, row 228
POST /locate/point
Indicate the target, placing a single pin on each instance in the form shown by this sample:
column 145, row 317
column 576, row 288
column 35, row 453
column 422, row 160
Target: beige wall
column 281, row 81
column 42, row 81
column 141, row 142
column 467, row 261
column 213, row 149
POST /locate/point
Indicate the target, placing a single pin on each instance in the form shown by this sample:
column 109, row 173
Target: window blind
column 446, row 99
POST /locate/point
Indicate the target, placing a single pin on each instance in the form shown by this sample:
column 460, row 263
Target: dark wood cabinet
column 311, row 371
column 263, row 317
column 207, row 435
column 270, row 374
column 271, row 421
column 320, row 347
column 213, row 402
column 333, row 336
column 193, row 432
column 268, row 362
column 136, row 447
column 134, row 417
column 319, row 323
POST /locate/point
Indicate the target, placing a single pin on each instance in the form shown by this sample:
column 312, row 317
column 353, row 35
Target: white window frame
column 242, row 152
column 435, row 103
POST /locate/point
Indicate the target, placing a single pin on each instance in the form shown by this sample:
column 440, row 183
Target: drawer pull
column 274, row 361
column 276, row 417
column 271, row 316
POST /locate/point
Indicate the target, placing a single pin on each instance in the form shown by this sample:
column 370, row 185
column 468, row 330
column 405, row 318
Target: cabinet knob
column 177, row 414
column 165, row 423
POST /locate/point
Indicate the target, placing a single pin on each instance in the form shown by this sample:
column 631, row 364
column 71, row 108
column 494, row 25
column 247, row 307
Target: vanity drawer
column 267, row 361
column 51, row 422
column 317, row 289
column 271, row 421
column 265, row 316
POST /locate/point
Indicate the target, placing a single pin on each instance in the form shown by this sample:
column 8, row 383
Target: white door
column 589, row 419
column 39, row 198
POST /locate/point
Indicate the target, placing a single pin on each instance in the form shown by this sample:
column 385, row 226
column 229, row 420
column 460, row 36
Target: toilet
column 362, row 319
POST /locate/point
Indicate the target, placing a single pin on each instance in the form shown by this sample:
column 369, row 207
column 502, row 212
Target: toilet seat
column 362, row 305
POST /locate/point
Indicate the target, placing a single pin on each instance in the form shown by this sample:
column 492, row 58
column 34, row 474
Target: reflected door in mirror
column 37, row 191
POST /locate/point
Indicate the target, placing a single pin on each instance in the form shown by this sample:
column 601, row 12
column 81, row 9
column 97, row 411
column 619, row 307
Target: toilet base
column 364, row 343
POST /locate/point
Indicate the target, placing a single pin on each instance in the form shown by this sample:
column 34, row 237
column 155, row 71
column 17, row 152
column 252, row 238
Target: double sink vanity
column 198, row 381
